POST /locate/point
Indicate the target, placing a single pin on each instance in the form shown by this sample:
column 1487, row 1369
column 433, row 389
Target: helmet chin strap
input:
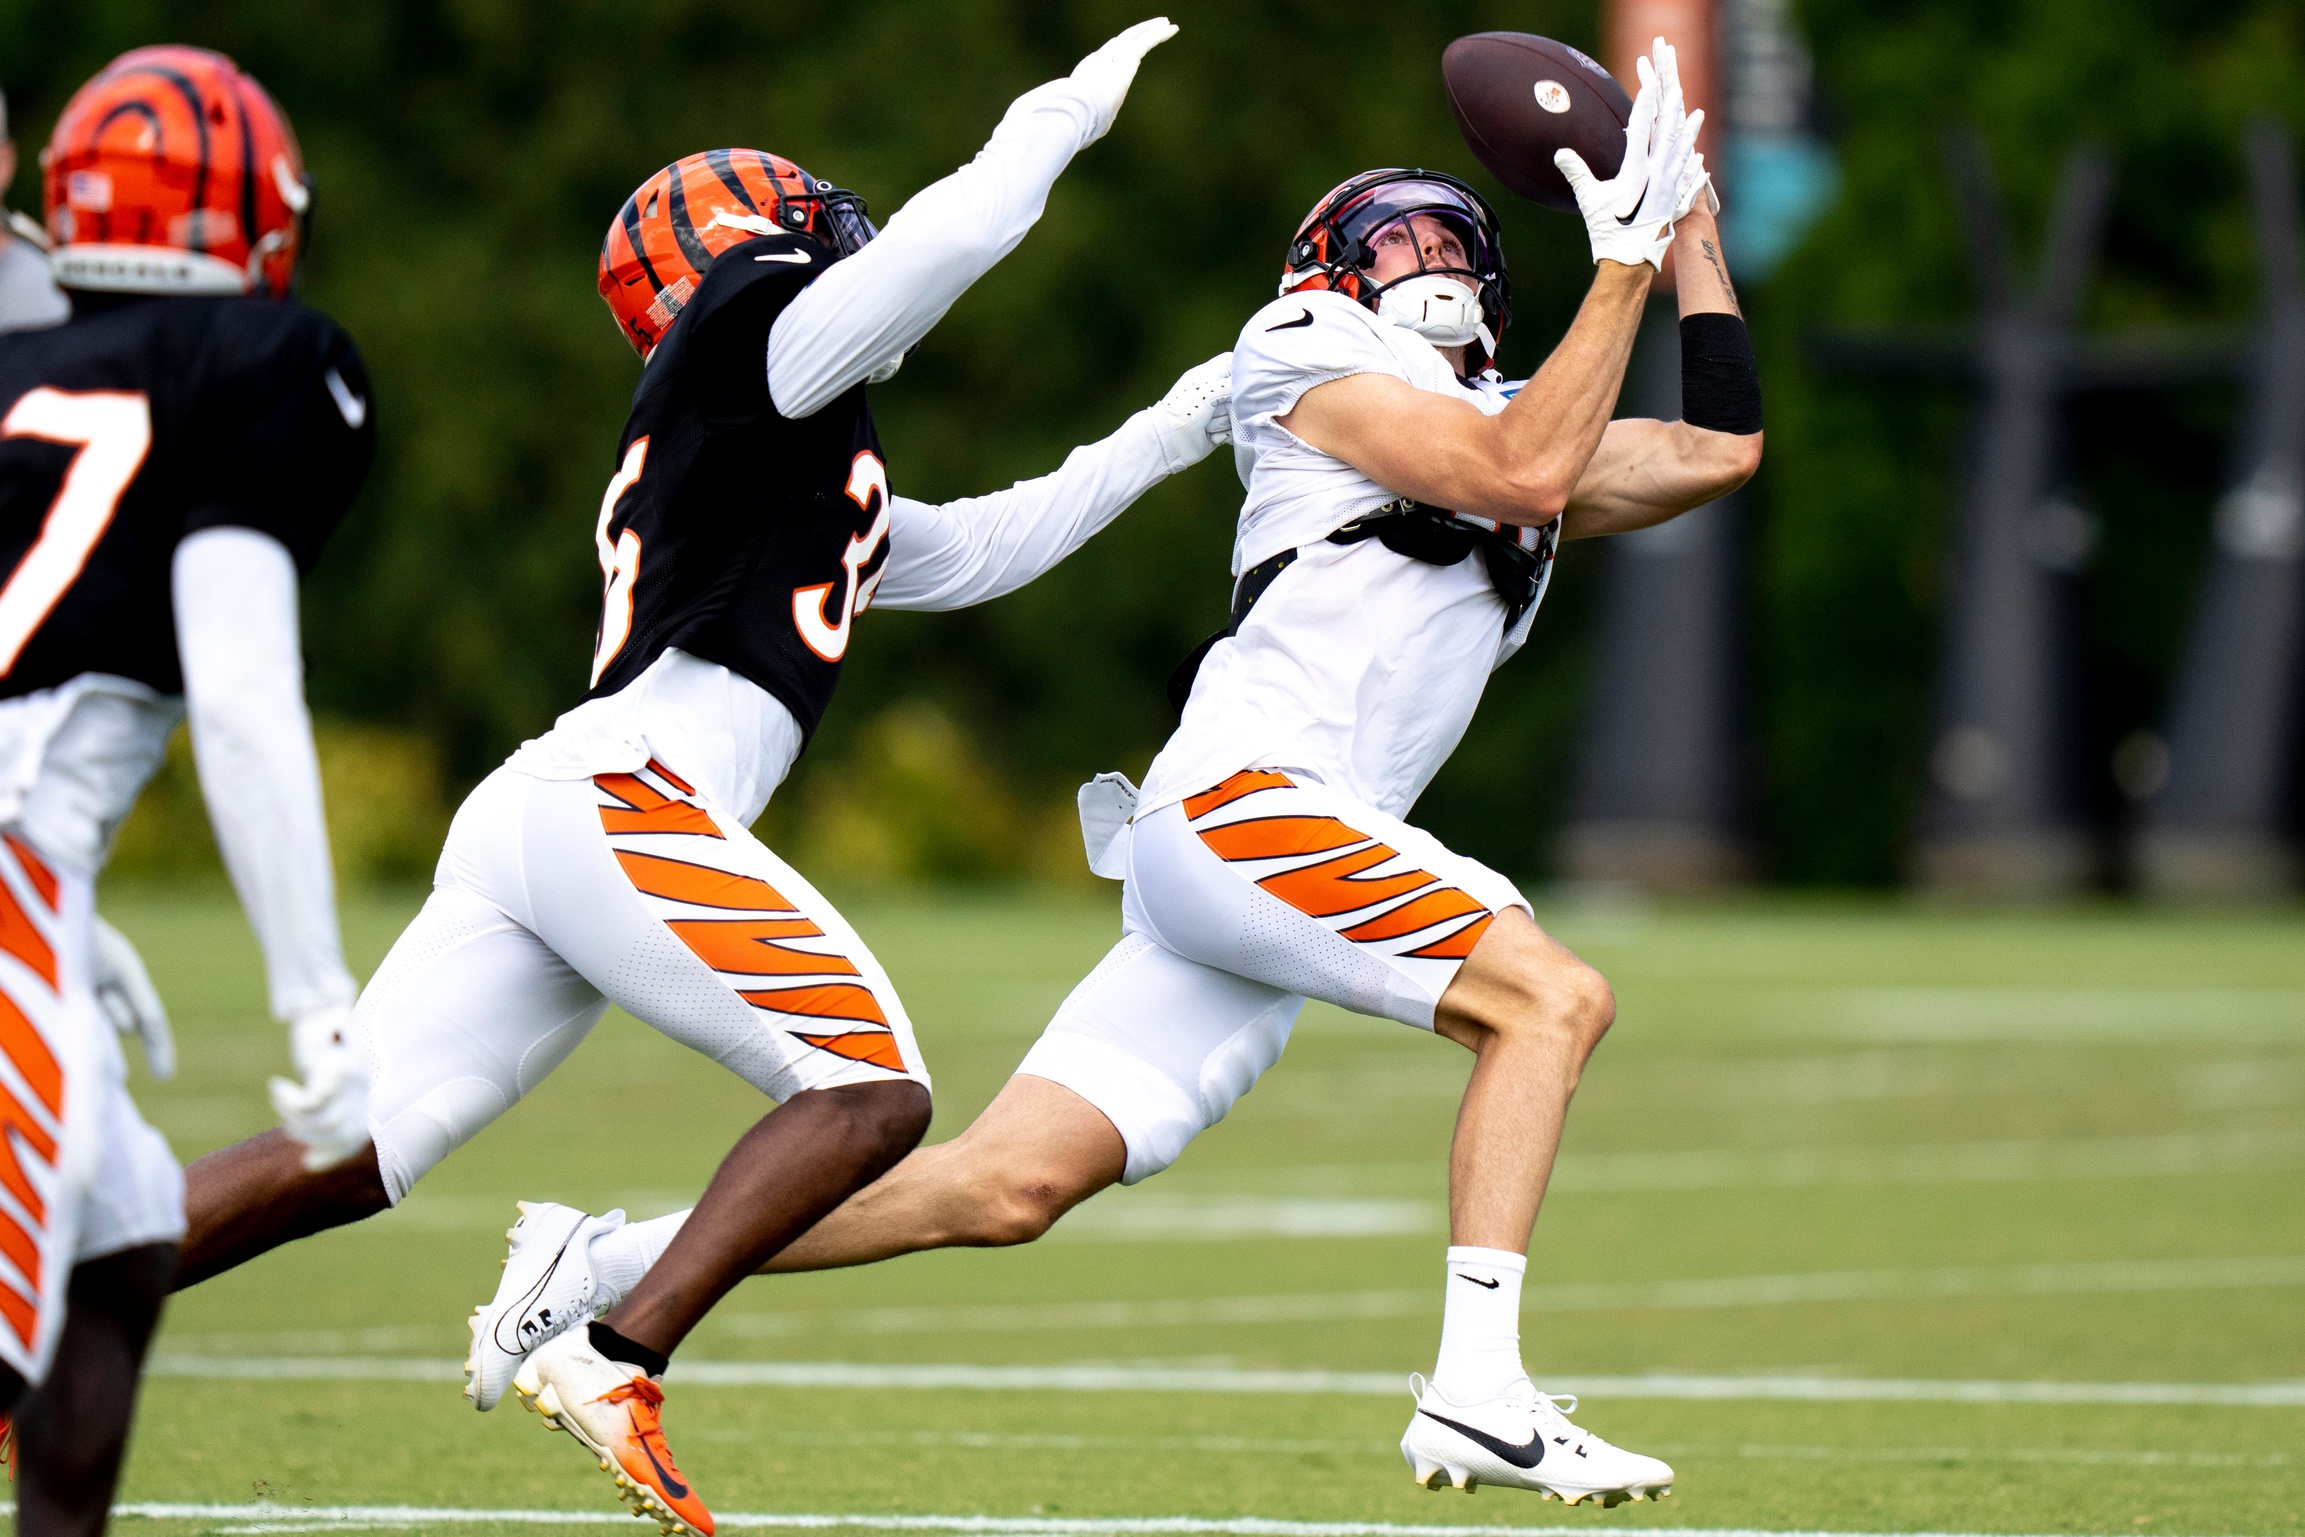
column 1439, row 309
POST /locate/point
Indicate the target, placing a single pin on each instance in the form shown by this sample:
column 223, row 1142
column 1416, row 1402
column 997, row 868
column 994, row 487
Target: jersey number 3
column 812, row 606
column 112, row 432
column 619, row 563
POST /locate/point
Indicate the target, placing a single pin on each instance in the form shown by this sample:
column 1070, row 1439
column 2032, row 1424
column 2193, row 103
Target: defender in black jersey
column 756, row 536
column 173, row 457
column 747, row 522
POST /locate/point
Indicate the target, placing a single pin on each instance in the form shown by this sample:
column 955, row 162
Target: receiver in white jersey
column 1266, row 861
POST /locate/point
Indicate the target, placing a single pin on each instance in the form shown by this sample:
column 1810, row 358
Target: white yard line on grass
column 1257, row 1446
column 251, row 1520
column 2071, row 1278
column 1146, row 1379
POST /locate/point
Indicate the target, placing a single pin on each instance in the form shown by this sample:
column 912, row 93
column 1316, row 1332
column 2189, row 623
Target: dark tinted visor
column 1384, row 206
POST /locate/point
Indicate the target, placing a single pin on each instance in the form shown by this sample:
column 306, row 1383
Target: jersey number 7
column 112, row 431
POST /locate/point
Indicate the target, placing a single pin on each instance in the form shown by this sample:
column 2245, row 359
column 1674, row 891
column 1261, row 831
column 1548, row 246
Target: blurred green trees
column 470, row 152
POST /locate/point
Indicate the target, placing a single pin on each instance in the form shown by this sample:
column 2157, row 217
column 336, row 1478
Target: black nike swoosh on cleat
column 1519, row 1456
column 528, row 1298
column 1304, row 318
column 1477, row 1281
column 672, row 1486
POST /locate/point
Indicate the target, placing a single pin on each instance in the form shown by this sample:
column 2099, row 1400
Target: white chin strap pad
column 1438, row 308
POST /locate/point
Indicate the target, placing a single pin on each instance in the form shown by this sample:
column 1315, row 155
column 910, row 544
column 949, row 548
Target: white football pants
column 557, row 897
column 81, row 1174
column 1241, row 902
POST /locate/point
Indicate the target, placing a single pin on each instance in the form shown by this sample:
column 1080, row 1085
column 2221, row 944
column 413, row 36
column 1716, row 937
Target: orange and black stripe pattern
column 175, row 147
column 669, row 231
column 31, row 1087
column 1362, row 888
column 759, row 942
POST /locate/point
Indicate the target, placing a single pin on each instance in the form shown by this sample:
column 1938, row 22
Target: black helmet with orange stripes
column 670, row 229
column 1335, row 247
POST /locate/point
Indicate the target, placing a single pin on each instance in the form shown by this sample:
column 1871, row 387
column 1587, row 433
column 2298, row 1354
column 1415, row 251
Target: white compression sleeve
column 870, row 307
column 969, row 551
column 236, row 632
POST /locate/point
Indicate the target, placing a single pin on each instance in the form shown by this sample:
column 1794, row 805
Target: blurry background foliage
column 470, row 152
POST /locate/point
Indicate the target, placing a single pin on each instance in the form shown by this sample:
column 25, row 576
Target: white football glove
column 1195, row 417
column 1629, row 218
column 125, row 993
column 1105, row 75
column 328, row 1110
column 1696, row 184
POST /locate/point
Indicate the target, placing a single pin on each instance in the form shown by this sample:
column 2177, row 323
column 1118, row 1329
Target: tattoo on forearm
column 1728, row 290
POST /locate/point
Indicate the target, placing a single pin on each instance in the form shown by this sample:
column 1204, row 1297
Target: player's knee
column 1565, row 1003
column 1018, row 1206
column 889, row 1118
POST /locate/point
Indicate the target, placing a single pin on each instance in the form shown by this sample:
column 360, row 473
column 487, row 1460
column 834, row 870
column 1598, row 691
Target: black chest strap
column 1429, row 534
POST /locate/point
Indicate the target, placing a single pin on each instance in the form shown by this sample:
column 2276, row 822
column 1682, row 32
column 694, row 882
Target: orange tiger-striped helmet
column 172, row 172
column 669, row 230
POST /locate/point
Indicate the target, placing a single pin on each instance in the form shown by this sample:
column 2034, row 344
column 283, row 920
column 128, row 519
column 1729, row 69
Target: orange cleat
column 613, row 1410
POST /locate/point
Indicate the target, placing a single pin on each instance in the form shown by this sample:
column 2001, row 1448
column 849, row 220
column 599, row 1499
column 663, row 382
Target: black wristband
column 1720, row 387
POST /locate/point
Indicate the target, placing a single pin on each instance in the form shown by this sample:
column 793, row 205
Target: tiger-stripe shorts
column 557, row 897
column 1241, row 902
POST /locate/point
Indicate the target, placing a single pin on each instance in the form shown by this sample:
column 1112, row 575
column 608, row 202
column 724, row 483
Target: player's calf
column 256, row 1195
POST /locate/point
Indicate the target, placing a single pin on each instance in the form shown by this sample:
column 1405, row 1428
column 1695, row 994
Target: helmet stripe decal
column 633, row 237
column 725, row 168
column 197, row 240
column 247, row 165
column 682, row 230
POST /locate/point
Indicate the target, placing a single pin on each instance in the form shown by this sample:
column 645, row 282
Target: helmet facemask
column 1451, row 303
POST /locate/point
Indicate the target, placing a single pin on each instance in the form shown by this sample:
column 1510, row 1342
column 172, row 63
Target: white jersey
column 1358, row 666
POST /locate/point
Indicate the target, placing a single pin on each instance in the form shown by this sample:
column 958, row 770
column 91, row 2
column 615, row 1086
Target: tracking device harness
column 1517, row 560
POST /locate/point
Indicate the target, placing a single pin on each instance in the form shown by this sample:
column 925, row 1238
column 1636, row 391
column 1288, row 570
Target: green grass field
column 1853, row 1145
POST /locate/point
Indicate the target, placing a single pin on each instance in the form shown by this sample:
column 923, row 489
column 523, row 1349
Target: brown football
column 1518, row 98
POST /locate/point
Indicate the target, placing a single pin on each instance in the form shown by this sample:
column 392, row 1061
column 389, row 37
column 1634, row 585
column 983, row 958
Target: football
column 1518, row 98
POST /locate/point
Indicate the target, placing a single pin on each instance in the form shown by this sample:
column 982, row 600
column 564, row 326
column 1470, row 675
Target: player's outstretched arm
column 966, row 552
column 864, row 312
column 1518, row 466
column 237, row 634
column 1648, row 471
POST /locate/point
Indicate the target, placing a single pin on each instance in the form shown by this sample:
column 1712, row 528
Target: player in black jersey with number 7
column 172, row 458
column 747, row 524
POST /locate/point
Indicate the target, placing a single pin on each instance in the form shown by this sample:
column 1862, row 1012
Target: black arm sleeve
column 1720, row 387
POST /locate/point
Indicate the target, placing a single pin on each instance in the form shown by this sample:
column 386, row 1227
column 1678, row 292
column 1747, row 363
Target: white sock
column 1481, row 1325
column 622, row 1255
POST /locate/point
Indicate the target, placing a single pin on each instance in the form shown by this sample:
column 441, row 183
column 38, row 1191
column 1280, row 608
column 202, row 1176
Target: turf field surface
column 1871, row 1218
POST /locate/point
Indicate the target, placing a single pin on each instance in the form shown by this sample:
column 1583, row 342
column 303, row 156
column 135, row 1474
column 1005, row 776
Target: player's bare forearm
column 1700, row 270
column 1518, row 466
column 1646, row 472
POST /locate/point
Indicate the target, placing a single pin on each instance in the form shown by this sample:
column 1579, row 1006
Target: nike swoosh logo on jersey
column 1527, row 1456
column 1304, row 318
column 351, row 407
column 783, row 256
column 1477, row 1281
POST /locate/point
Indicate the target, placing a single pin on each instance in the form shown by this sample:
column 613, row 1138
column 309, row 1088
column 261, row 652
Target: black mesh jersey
column 735, row 533
column 142, row 420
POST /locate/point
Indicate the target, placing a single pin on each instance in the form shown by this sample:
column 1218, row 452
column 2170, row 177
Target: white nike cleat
column 1523, row 1440
column 615, row 1412
column 548, row 1288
